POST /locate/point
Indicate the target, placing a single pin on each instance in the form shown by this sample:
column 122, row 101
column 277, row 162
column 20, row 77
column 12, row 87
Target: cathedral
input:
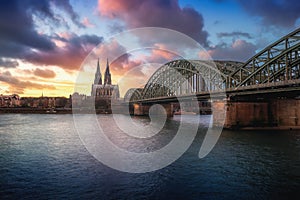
column 104, row 91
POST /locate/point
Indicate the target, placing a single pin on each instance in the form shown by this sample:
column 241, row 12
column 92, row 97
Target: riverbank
column 52, row 111
column 102, row 111
column 36, row 110
column 275, row 128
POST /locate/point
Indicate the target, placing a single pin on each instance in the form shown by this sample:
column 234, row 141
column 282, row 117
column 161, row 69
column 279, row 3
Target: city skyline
column 44, row 42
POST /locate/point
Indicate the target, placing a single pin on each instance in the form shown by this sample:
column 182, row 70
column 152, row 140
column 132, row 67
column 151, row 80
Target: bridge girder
column 277, row 62
column 133, row 94
column 182, row 77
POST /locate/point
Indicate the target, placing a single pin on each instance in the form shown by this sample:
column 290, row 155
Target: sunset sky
column 44, row 42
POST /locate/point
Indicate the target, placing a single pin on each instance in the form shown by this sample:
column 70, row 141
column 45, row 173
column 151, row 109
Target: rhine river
column 42, row 157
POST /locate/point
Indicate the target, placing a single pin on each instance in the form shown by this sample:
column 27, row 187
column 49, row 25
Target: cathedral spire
column 107, row 67
column 98, row 75
column 107, row 75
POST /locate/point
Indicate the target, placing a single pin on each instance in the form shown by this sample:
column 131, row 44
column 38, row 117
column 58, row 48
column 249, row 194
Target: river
column 43, row 157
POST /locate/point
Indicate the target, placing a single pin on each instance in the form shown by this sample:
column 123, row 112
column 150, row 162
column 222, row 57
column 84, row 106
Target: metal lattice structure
column 133, row 94
column 277, row 62
column 184, row 77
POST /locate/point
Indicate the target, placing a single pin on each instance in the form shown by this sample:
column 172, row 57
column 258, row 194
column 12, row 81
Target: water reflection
column 41, row 156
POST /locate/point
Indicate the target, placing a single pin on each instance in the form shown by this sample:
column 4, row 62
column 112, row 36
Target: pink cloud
column 19, row 86
column 69, row 55
column 86, row 22
column 44, row 73
column 156, row 13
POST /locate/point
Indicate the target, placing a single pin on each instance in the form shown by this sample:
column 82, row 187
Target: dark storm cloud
column 69, row 56
column 156, row 13
column 80, row 41
column 234, row 34
column 65, row 4
column 282, row 13
column 8, row 63
column 239, row 50
column 17, row 28
column 19, row 38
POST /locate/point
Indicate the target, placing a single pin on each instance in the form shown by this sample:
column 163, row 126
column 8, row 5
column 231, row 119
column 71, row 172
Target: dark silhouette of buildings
column 104, row 92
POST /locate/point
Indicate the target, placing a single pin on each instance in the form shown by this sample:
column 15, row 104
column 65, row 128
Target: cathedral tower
column 107, row 75
column 104, row 91
column 98, row 75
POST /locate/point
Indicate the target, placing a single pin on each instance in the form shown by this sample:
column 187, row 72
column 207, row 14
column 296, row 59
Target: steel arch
column 133, row 94
column 277, row 62
column 181, row 77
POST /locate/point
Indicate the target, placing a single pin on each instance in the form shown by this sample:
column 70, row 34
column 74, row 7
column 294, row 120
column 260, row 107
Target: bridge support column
column 218, row 111
column 240, row 114
column 169, row 109
column 141, row 109
column 273, row 113
column 286, row 113
column 246, row 114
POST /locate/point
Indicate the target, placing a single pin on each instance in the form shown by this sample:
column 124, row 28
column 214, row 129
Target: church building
column 105, row 90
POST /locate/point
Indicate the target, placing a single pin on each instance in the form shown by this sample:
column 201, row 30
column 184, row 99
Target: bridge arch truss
column 277, row 62
column 184, row 77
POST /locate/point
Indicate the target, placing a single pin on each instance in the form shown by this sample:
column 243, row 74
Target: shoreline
column 267, row 128
column 69, row 111
column 35, row 111
column 51, row 111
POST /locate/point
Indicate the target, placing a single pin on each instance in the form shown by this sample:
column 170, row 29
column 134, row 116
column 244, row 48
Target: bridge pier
column 218, row 111
column 286, row 112
column 140, row 109
column 275, row 113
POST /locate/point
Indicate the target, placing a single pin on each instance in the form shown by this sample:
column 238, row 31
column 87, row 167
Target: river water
column 42, row 156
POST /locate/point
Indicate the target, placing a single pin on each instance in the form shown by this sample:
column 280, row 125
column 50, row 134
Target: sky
column 46, row 44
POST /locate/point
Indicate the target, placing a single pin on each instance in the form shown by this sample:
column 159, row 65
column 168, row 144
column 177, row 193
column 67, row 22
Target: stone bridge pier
column 140, row 109
column 280, row 113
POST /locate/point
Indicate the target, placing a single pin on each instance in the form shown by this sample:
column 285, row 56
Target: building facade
column 9, row 100
column 104, row 90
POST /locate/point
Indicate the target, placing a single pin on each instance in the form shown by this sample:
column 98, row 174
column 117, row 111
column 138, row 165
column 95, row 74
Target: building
column 104, row 92
column 78, row 99
column 9, row 100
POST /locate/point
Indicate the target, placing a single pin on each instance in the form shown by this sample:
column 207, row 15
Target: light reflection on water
column 41, row 156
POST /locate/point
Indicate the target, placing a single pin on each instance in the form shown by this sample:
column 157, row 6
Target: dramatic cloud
column 66, row 6
column 122, row 61
column 239, row 50
column 69, row 55
column 123, row 65
column 20, row 39
column 20, row 34
column 235, row 34
column 8, row 63
column 18, row 86
column 156, row 13
column 44, row 73
column 284, row 13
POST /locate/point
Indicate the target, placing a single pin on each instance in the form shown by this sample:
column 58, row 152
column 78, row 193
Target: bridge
column 263, row 91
